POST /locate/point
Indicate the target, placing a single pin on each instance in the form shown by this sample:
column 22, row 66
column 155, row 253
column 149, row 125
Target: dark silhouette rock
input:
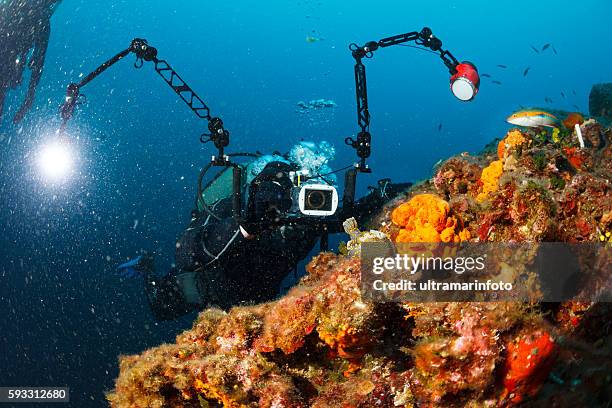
column 600, row 101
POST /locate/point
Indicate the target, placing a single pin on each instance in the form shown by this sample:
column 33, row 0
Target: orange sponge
column 490, row 179
column 426, row 218
column 513, row 138
column 574, row 118
column 530, row 359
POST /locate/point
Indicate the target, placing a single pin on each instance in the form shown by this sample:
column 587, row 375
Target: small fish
column 562, row 95
column 576, row 107
column 313, row 39
column 533, row 118
column 526, row 71
column 548, row 100
column 554, row 50
column 496, row 82
column 485, row 75
column 535, row 49
column 439, row 127
column 502, row 66
column 574, row 92
column 545, row 47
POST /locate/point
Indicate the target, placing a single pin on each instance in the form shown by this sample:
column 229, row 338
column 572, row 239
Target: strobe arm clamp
column 220, row 138
column 146, row 53
column 424, row 38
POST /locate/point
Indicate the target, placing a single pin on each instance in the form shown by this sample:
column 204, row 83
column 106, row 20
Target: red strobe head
column 465, row 83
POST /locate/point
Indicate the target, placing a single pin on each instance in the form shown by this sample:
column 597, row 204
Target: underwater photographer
column 290, row 202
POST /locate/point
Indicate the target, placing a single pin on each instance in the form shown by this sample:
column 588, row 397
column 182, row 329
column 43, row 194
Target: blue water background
column 65, row 314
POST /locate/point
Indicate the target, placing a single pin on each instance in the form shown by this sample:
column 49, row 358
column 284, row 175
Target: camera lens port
column 316, row 199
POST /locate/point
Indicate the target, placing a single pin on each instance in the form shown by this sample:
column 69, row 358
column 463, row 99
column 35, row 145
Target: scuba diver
column 247, row 233
column 24, row 28
column 223, row 263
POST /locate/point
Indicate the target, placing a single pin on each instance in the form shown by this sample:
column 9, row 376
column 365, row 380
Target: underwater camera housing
column 320, row 200
column 311, row 198
column 281, row 195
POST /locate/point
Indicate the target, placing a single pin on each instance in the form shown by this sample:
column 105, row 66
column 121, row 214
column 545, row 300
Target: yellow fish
column 533, row 118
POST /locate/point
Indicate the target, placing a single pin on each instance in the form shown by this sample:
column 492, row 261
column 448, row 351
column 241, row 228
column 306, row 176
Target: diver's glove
column 142, row 264
column 252, row 227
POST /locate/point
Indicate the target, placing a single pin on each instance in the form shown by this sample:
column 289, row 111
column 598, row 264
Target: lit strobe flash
column 56, row 160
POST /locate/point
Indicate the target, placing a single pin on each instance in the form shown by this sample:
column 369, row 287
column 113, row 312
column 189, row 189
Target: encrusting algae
column 322, row 345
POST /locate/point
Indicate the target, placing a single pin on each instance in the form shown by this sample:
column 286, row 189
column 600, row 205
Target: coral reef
column 322, row 345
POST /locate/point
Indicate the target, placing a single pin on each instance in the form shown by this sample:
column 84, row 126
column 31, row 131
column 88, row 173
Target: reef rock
column 323, row 345
column 600, row 101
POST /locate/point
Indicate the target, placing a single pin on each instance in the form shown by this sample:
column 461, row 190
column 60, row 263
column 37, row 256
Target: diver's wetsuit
column 216, row 265
column 24, row 28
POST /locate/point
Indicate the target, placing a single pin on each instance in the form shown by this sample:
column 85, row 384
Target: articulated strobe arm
column 424, row 38
column 144, row 52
